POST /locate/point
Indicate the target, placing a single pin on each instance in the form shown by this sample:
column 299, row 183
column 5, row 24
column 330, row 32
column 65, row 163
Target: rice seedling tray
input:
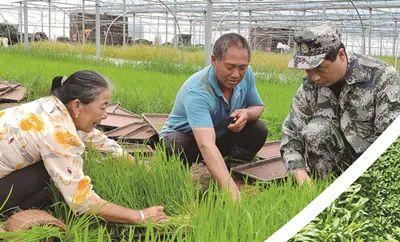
column 117, row 109
column 125, row 130
column 156, row 120
column 7, row 105
column 263, row 170
column 270, row 150
column 14, row 95
column 141, row 134
column 7, row 87
column 115, row 120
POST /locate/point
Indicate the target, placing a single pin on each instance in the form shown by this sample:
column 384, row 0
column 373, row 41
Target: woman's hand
column 154, row 214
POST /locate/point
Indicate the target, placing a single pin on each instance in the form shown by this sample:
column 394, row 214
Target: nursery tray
column 117, row 109
column 141, row 134
column 114, row 120
column 263, row 170
column 125, row 130
column 270, row 150
column 156, row 120
column 7, row 105
column 14, row 95
column 7, row 87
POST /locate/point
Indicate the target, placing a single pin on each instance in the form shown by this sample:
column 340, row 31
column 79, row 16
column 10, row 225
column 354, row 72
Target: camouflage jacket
column 367, row 104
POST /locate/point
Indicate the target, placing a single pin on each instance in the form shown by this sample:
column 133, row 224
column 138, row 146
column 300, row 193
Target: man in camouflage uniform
column 343, row 104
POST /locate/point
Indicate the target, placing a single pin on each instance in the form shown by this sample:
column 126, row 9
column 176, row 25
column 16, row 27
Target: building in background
column 267, row 39
column 114, row 36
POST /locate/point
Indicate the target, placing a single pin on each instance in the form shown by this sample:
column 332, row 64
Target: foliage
column 369, row 210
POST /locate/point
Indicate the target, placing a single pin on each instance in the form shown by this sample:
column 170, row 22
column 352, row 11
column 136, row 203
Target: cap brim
column 306, row 62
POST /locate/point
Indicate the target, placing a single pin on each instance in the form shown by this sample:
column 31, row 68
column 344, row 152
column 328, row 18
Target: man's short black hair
column 331, row 56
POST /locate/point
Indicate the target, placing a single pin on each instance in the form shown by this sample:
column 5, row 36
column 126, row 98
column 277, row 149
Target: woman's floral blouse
column 44, row 130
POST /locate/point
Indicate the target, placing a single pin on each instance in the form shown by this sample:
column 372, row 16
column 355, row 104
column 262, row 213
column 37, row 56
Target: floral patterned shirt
column 43, row 130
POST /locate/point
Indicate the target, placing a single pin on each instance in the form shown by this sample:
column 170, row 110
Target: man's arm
column 292, row 146
column 205, row 138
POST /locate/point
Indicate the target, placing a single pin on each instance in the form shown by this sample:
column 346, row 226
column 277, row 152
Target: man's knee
column 177, row 140
column 256, row 131
column 181, row 144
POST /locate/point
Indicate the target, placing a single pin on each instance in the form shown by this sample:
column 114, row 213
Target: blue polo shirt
column 200, row 103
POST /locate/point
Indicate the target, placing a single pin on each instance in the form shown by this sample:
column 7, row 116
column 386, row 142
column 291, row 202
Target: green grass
column 138, row 89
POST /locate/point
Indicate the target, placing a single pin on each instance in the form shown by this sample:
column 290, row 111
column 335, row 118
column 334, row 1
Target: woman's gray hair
column 83, row 85
column 229, row 40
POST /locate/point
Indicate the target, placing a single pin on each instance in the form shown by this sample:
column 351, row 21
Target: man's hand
column 302, row 176
column 240, row 117
column 155, row 214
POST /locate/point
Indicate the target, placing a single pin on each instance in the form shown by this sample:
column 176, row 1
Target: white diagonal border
column 340, row 185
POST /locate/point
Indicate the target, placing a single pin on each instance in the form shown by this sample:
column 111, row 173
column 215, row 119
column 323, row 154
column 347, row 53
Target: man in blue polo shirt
column 216, row 113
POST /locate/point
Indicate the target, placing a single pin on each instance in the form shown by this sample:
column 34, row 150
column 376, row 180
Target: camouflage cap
column 313, row 44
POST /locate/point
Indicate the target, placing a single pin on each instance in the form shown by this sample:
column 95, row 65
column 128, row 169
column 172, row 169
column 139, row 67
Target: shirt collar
column 355, row 72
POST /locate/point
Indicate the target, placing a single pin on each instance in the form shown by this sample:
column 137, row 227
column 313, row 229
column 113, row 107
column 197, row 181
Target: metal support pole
column 208, row 34
column 381, row 46
column 150, row 25
column 83, row 23
column 249, row 36
column 63, row 24
column 166, row 27
column 21, row 30
column 158, row 38
column 133, row 27
column 190, row 27
column 123, row 24
column 239, row 17
column 41, row 15
column 97, row 30
column 370, row 31
column 26, row 44
column 175, row 36
column 141, row 35
column 394, row 39
column 49, row 19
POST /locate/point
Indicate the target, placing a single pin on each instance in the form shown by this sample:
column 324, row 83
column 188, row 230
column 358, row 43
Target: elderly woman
column 46, row 138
